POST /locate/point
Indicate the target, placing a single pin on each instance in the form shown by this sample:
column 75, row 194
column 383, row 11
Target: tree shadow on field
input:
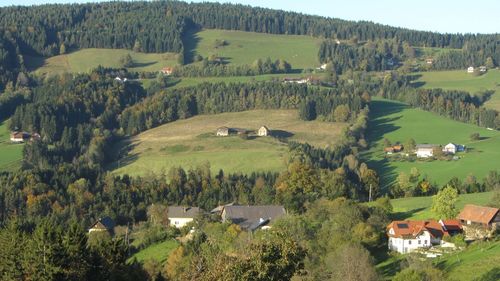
column 191, row 41
column 281, row 134
column 122, row 155
column 406, row 215
column 143, row 64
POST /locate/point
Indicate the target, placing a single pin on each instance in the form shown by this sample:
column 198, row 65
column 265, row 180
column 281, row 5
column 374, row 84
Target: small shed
column 263, row 131
column 222, row 132
column 103, row 224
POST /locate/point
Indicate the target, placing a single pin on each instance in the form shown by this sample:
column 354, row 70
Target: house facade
column 19, row 137
column 478, row 221
column 450, row 148
column 407, row 236
column 470, row 69
column 251, row 218
column 180, row 216
column 425, row 150
column 263, row 131
column 222, row 132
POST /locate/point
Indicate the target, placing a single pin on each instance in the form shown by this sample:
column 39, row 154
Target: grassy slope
column 397, row 122
column 158, row 252
column 10, row 154
column 461, row 80
column 192, row 142
column 471, row 263
column 87, row 59
column 246, row 47
column 420, row 207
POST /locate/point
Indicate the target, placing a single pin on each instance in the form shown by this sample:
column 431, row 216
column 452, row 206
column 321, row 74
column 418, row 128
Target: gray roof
column 426, row 145
column 104, row 223
column 251, row 217
column 183, row 212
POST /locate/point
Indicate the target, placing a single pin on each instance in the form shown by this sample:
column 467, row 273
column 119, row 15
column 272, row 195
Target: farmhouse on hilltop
column 263, row 131
column 103, row 224
column 180, row 216
column 222, row 132
column 167, row 70
column 479, row 221
column 426, row 150
column 407, row 236
column 470, row 69
column 251, row 218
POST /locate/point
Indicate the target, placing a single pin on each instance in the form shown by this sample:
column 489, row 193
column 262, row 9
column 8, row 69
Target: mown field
column 86, row 59
column 461, row 80
column 246, row 47
column 158, row 252
column 419, row 208
column 10, row 154
column 398, row 122
column 192, row 142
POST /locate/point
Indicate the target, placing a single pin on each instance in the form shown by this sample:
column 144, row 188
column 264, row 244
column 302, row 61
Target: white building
column 263, row 131
column 425, row 150
column 470, row 69
column 450, row 148
column 407, row 236
column 179, row 216
column 482, row 68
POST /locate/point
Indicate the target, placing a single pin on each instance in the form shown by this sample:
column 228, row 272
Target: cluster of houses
column 471, row 69
column 427, row 150
column 249, row 218
column 20, row 137
column 303, row 80
column 263, row 131
column 476, row 222
column 167, row 70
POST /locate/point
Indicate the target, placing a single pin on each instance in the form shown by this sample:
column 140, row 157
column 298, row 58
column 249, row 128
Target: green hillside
column 461, row 80
column 418, row 208
column 398, row 122
column 191, row 142
column 87, row 59
column 10, row 154
column 246, row 47
column 158, row 252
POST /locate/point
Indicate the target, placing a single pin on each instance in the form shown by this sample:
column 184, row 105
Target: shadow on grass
column 143, row 64
column 280, row 134
column 191, row 41
column 405, row 215
column 122, row 156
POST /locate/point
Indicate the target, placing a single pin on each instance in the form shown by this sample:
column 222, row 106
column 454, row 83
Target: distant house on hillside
column 121, row 80
column 482, row 68
column 296, row 80
column 393, row 149
column 251, row 218
column 425, row 150
column 470, row 69
column 479, row 221
column 19, row 137
column 180, row 216
column 167, row 70
column 263, row 131
column 450, row 148
column 429, row 61
column 323, row 66
column 222, row 132
column 103, row 224
column 407, row 236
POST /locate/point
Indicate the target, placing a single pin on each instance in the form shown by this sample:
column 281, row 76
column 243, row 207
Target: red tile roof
column 452, row 224
column 478, row 214
column 412, row 229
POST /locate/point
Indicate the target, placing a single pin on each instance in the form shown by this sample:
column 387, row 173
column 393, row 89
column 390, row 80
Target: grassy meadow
column 398, row 122
column 246, row 47
column 86, row 59
column 158, row 252
column 192, row 142
column 461, row 80
column 419, row 208
column 10, row 154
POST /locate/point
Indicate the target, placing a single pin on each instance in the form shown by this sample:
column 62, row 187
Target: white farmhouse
column 263, row 131
column 470, row 69
column 180, row 216
column 407, row 236
column 425, row 150
column 450, row 148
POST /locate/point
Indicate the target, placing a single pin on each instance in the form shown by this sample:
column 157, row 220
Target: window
column 409, row 242
column 425, row 242
column 419, row 242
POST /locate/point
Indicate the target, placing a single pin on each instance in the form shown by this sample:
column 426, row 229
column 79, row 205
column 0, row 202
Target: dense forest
column 49, row 29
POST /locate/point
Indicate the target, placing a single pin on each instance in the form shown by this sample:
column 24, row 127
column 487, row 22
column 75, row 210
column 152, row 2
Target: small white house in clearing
column 180, row 216
column 407, row 236
column 323, row 66
column 425, row 150
column 470, row 69
column 263, row 131
column 482, row 68
column 450, row 148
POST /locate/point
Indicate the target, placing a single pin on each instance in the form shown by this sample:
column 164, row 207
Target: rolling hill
column 10, row 154
column 398, row 122
column 191, row 142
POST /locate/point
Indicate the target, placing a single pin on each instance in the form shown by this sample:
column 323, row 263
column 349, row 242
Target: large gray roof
column 249, row 216
column 182, row 212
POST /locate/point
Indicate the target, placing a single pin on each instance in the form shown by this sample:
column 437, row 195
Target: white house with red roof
column 407, row 236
